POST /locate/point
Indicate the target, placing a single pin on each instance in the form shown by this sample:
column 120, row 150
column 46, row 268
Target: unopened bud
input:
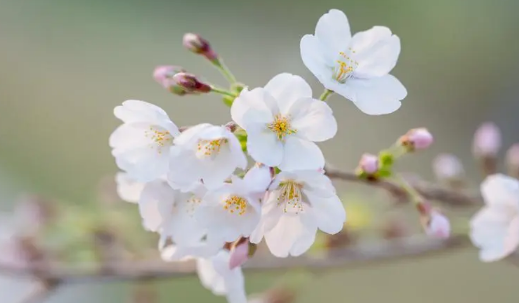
column 512, row 160
column 199, row 45
column 164, row 76
column 437, row 225
column 448, row 168
column 190, row 83
column 239, row 255
column 487, row 140
column 369, row 164
column 417, row 139
column 486, row 145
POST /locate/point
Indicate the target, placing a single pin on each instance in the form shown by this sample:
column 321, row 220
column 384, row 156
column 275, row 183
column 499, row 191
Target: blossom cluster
column 214, row 191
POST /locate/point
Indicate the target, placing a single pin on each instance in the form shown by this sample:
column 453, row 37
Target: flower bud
column 199, row 45
column 239, row 254
column 190, row 83
column 512, row 160
column 487, row 140
column 448, row 168
column 417, row 139
column 437, row 225
column 164, row 74
column 369, row 164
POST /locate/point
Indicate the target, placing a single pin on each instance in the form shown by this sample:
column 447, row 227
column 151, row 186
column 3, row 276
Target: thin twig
column 151, row 270
column 428, row 191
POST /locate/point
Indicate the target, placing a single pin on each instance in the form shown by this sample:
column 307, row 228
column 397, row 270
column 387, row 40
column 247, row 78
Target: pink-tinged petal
column 253, row 107
column 155, row 204
column 300, row 154
column 286, row 89
column 439, row 226
column 239, row 255
column 133, row 111
column 333, row 30
column 291, row 236
column 313, row 120
column 128, row 189
column 376, row 50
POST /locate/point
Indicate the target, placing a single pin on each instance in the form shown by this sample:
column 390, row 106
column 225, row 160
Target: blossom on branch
column 141, row 145
column 495, row 228
column 355, row 67
column 298, row 203
column 283, row 121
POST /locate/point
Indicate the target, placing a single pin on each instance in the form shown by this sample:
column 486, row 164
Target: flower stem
column 325, row 94
column 416, row 197
column 226, row 72
column 222, row 91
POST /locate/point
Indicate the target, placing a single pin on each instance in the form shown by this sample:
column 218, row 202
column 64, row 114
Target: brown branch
column 428, row 191
column 151, row 270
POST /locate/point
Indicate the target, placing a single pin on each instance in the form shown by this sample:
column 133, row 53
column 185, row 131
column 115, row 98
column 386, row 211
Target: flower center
column 236, row 204
column 210, row 147
column 281, row 127
column 291, row 197
column 345, row 66
column 159, row 138
column 192, row 204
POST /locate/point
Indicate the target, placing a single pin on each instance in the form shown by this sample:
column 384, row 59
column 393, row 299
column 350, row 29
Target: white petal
column 286, row 88
column 290, row 236
column 376, row 96
column 253, row 107
column 143, row 164
column 209, row 278
column 301, row 154
column 499, row 189
column 128, row 189
column 183, row 173
column 316, row 57
column 313, row 120
column 377, row 52
column 264, row 147
column 132, row 111
column 191, row 134
column 257, row 179
column 155, row 204
column 489, row 229
column 329, row 213
column 333, row 30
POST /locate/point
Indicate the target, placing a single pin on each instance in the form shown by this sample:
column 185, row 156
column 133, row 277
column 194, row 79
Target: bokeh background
column 64, row 66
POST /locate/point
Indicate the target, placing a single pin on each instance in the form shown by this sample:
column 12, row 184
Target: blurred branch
column 375, row 252
column 427, row 190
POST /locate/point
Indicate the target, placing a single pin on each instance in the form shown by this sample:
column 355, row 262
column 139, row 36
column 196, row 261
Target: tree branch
column 427, row 190
column 151, row 270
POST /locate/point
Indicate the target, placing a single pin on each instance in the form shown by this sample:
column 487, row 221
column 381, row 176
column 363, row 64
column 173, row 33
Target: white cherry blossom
column 283, row 121
column 355, row 67
column 141, row 145
column 171, row 213
column 233, row 210
column 495, row 228
column 128, row 188
column 215, row 274
column 298, row 203
column 204, row 153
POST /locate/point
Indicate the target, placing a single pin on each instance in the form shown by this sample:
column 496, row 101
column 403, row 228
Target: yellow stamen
column 281, row 127
column 236, row 204
column 291, row 196
column 159, row 138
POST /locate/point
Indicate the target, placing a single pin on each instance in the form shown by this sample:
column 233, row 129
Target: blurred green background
column 64, row 66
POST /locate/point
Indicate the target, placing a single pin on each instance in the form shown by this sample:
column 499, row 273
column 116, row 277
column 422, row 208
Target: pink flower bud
column 512, row 157
column 448, row 167
column 438, row 225
column 164, row 76
column 417, row 139
column 190, row 83
column 369, row 164
column 239, row 254
column 487, row 140
column 199, row 45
